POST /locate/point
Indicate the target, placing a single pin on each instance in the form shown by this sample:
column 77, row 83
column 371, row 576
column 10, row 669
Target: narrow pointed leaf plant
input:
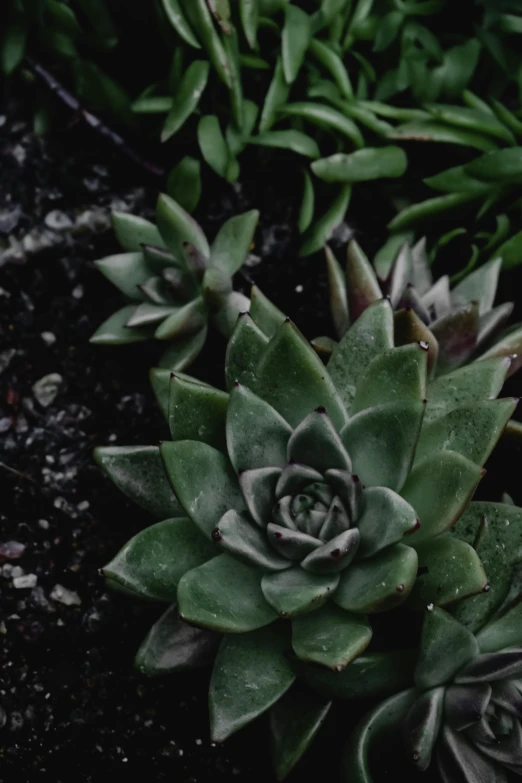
column 313, row 498
column 461, row 324
column 177, row 284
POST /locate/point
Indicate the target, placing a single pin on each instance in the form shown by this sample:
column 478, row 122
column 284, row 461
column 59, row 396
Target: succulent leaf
column 203, row 481
column 362, row 287
column 338, row 298
column 330, row 636
column 382, row 504
column 422, row 726
column 133, row 231
column 473, row 383
column 244, row 351
column 316, row 444
column 292, row 379
column 265, row 314
column 399, row 375
column 176, row 227
column 182, row 352
column 503, row 631
column 232, row 243
column 239, row 536
column 250, row 674
column 505, row 521
column 115, row 331
column 449, row 570
column 259, row 489
column 197, row 412
column 257, row 435
column 381, row 442
column 479, row 286
column 183, row 321
column 471, row 430
column 409, row 328
column 296, row 591
column 379, row 583
column 440, row 633
column 294, row 722
column 152, row 563
column 224, row 595
column 371, row 335
column 138, row 472
column 126, row 271
column 174, row 646
column 490, row 667
column 439, row 489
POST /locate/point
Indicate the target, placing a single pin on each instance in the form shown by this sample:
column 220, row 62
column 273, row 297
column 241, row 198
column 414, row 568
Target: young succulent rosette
column 461, row 323
column 175, row 282
column 317, row 495
column 464, row 709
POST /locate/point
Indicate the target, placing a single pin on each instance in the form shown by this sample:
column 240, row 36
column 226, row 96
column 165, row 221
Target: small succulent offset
column 175, row 281
column 464, row 709
column 460, row 324
column 305, row 501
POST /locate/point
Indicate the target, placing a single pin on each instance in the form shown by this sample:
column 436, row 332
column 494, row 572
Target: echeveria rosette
column 460, row 324
column 176, row 283
column 278, row 454
column 463, row 710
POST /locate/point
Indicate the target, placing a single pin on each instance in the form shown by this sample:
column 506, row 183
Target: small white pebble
column 83, row 506
column 24, row 582
column 68, row 597
column 78, row 292
column 44, row 524
column 48, row 337
column 299, row 289
column 16, row 572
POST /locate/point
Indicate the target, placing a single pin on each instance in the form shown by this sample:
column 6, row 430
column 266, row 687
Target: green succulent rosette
column 305, row 500
column 463, row 712
column 461, row 324
column 175, row 282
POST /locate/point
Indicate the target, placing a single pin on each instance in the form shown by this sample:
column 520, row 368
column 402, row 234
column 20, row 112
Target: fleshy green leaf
column 295, row 36
column 204, row 481
column 126, row 271
column 361, row 283
column 187, row 97
column 179, row 22
column 369, row 675
column 328, row 118
column 177, row 227
column 369, row 336
column 438, row 132
column 152, row 563
column 439, row 489
column 379, row 583
column 249, row 13
column 296, row 591
column 173, row 646
column 315, row 443
column 510, row 345
column 306, row 212
column 381, row 443
column 138, row 472
column 330, row 636
column 185, row 320
column 197, row 412
column 257, row 435
column 232, row 244
column 292, row 140
column 473, row 383
column 422, row 726
column 497, row 166
column 441, row 633
column 479, row 286
column 337, row 293
column 258, row 488
column 224, row 595
column 294, row 723
column 213, row 145
column 182, row 352
column 238, row 535
column 398, row 375
column 449, row 570
column 423, row 212
column 471, row 430
column 251, row 673
column 244, row 351
column 184, row 183
column 292, row 379
column 502, row 632
column 265, row 314
column 133, row 231
column 364, row 741
column 362, row 165
column 386, row 518
column 505, row 521
column 276, row 96
column 322, row 229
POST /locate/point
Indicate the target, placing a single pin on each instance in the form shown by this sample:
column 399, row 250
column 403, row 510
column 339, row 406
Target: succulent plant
column 176, row 283
column 304, row 501
column 460, row 324
column 463, row 710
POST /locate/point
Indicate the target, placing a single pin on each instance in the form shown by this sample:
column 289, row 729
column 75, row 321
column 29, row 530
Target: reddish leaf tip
column 320, row 409
column 216, row 534
column 400, row 588
column 335, row 553
column 486, row 588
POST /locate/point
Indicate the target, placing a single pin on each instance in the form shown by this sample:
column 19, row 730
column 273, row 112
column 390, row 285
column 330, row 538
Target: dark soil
column 73, row 707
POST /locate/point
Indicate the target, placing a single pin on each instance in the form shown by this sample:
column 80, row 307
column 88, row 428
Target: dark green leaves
column 362, row 165
column 186, row 98
column 295, row 39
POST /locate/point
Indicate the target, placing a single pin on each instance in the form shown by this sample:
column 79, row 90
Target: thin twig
column 94, row 122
